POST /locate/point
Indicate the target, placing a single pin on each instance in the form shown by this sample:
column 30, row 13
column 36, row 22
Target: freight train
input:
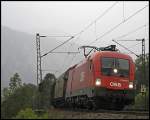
column 104, row 79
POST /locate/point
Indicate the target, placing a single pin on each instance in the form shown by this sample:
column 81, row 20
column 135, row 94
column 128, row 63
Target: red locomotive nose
column 103, row 77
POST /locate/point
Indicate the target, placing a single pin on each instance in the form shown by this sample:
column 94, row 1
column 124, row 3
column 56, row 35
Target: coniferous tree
column 15, row 82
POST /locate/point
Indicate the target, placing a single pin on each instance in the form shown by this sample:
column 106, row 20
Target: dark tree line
column 18, row 97
column 46, row 91
column 140, row 72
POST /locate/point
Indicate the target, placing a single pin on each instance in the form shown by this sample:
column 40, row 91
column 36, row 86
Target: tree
column 139, row 71
column 15, row 82
column 6, row 93
column 46, row 88
column 21, row 98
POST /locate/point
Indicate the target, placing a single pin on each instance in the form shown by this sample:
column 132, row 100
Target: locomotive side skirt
column 105, row 93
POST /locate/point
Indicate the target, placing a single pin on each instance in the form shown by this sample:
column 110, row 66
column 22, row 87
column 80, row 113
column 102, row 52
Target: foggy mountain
column 18, row 54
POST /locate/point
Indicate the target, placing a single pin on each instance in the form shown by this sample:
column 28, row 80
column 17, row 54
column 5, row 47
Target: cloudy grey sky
column 69, row 18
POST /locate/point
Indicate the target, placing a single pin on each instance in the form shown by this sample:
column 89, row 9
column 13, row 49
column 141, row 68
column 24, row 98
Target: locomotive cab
column 114, row 78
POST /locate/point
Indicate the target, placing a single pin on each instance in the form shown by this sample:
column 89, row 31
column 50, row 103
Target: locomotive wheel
column 119, row 106
column 94, row 106
column 116, row 106
column 89, row 105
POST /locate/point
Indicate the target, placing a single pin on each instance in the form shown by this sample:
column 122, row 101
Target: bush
column 44, row 116
column 28, row 113
column 140, row 101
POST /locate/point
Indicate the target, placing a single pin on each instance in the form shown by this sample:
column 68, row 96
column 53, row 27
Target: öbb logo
column 115, row 84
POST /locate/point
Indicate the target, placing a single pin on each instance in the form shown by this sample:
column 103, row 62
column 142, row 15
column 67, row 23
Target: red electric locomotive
column 104, row 79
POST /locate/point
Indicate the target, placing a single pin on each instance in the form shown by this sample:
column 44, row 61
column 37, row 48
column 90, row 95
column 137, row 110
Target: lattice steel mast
column 39, row 70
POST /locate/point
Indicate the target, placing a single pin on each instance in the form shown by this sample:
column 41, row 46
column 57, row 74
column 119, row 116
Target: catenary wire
column 119, row 24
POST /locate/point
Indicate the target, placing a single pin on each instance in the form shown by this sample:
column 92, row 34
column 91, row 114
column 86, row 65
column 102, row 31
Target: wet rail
column 133, row 111
column 101, row 113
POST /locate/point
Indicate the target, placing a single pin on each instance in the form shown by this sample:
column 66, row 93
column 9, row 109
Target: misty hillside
column 19, row 55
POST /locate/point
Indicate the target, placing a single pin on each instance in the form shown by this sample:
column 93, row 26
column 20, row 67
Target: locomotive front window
column 121, row 65
column 107, row 62
column 107, row 66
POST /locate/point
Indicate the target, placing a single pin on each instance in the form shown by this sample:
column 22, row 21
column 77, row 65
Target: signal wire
column 58, row 46
column 97, row 18
column 65, row 59
column 133, row 31
column 123, row 11
column 119, row 24
column 81, row 30
column 132, row 46
column 125, row 48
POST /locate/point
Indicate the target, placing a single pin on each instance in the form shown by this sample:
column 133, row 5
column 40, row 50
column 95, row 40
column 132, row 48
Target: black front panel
column 110, row 64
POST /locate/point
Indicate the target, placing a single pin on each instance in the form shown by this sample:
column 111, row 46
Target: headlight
column 131, row 85
column 115, row 70
column 98, row 82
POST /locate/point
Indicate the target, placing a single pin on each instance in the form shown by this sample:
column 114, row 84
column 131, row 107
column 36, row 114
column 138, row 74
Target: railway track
column 107, row 113
column 131, row 112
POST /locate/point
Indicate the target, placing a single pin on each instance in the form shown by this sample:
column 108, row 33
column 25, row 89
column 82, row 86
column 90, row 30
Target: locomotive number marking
column 82, row 76
column 115, row 84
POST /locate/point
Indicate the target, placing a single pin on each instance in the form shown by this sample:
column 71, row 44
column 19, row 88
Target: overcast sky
column 69, row 18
